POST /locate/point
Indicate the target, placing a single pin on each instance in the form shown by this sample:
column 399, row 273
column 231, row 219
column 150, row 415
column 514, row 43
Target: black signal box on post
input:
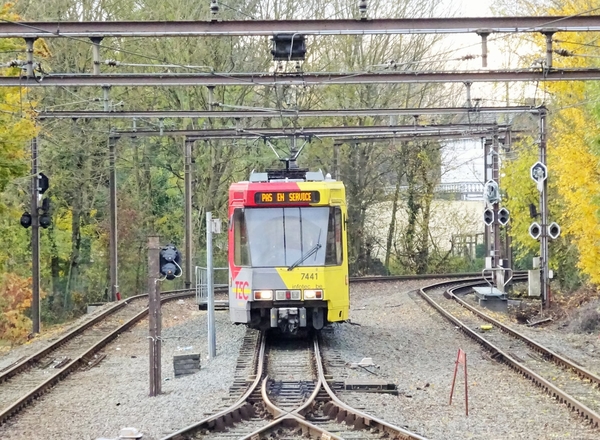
column 43, row 183
column 289, row 47
column 170, row 262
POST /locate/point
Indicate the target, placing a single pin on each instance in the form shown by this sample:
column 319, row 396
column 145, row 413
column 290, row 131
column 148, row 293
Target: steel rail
column 240, row 409
column 25, row 363
column 359, row 419
column 22, row 364
column 273, row 113
column 292, row 420
column 480, row 25
column 551, row 389
column 305, row 79
column 79, row 361
column 548, row 354
column 351, row 416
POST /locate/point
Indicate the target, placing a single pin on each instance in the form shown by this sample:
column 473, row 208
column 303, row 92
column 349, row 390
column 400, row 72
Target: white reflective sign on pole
column 216, row 225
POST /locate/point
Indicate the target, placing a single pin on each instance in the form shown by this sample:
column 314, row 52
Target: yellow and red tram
column 288, row 260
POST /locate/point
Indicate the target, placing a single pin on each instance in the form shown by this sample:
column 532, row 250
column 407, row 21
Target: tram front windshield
column 287, row 236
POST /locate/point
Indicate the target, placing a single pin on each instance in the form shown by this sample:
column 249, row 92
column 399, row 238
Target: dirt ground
column 573, row 312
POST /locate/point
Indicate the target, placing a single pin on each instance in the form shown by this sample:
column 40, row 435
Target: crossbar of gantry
column 306, row 79
column 270, row 113
column 484, row 25
column 309, row 132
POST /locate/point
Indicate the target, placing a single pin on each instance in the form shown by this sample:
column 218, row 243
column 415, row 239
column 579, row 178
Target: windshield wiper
column 314, row 249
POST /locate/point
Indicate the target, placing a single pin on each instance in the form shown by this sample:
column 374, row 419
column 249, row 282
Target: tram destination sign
column 279, row 197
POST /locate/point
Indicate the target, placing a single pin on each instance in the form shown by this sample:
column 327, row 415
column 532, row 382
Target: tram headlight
column 313, row 294
column 265, row 295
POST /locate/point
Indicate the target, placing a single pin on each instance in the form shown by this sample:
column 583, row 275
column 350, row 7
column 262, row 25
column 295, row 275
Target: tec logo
column 241, row 290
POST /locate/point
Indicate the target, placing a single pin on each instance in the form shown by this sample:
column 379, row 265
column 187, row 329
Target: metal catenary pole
column 544, row 257
column 112, row 183
column 154, row 315
column 487, row 175
column 497, row 255
column 212, row 341
column 187, row 146
column 35, row 238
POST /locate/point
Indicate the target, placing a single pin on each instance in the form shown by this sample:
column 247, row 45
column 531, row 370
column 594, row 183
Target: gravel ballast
column 416, row 349
column 411, row 343
column 99, row 402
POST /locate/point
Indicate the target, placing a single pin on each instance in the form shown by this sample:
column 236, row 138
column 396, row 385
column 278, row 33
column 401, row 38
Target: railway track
column 29, row 378
column 275, row 398
column 25, row 380
column 566, row 381
column 289, row 397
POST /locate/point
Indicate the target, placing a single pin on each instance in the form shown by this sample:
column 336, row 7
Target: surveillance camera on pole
column 553, row 230
column 535, row 230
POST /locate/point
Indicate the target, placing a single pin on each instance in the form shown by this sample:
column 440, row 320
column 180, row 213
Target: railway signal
column 503, row 216
column 539, row 173
column 45, row 213
column 535, row 230
column 43, row 183
column 288, row 47
column 488, row 216
column 553, row 230
column 170, row 260
column 491, row 192
column 26, row 220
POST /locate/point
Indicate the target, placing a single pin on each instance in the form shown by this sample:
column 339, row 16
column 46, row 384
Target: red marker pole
column 461, row 359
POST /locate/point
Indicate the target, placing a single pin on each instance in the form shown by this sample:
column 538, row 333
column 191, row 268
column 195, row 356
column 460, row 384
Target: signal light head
column 553, row 230
column 45, row 220
column 170, row 260
column 503, row 216
column 26, row 220
column 488, row 216
column 535, row 230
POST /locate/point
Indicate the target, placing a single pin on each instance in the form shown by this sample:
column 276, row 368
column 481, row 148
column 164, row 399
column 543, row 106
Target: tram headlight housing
column 313, row 294
column 282, row 295
column 263, row 295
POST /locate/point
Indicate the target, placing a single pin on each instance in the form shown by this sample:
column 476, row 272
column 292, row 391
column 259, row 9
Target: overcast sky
column 476, row 8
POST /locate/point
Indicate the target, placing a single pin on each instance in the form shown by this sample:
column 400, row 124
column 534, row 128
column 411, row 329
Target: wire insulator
column 362, row 7
column 564, row 52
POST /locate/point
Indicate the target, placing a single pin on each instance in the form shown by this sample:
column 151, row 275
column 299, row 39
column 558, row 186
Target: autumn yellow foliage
column 15, row 300
column 573, row 156
column 578, row 183
column 574, row 131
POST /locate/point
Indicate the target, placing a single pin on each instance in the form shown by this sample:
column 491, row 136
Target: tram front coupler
column 288, row 319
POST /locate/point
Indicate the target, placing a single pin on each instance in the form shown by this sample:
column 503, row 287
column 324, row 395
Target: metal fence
column 220, row 279
column 467, row 190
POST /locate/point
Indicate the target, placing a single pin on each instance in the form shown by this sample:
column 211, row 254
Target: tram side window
column 241, row 255
column 334, row 238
